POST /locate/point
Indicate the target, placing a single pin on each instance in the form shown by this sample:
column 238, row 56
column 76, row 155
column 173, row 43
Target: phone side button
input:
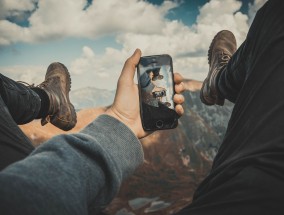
column 159, row 124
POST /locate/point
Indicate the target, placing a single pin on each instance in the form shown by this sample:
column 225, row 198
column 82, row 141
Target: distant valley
column 175, row 160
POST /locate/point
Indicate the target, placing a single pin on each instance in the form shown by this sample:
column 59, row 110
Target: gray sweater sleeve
column 72, row 174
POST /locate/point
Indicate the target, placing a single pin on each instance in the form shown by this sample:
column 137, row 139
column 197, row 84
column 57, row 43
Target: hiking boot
column 57, row 84
column 222, row 47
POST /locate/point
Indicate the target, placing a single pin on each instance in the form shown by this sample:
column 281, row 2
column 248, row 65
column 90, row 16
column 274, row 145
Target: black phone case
column 156, row 114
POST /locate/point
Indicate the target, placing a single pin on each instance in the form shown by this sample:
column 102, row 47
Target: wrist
column 115, row 114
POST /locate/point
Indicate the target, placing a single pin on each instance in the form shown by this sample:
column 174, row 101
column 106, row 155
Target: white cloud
column 13, row 34
column 15, row 7
column 56, row 19
column 187, row 45
column 135, row 24
column 99, row 71
column 29, row 74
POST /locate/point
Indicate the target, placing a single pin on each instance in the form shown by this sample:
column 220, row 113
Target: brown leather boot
column 222, row 48
column 57, row 85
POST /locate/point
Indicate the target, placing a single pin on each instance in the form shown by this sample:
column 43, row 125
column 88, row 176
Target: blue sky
column 93, row 38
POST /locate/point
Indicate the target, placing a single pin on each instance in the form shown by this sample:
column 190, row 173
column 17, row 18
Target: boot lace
column 225, row 57
column 43, row 85
column 26, row 84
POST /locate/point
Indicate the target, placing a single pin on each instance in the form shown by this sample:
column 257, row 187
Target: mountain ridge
column 176, row 160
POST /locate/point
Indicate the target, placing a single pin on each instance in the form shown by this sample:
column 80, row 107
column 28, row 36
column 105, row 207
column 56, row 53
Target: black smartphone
column 156, row 91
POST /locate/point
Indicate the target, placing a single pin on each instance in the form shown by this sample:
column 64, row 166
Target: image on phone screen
column 155, row 74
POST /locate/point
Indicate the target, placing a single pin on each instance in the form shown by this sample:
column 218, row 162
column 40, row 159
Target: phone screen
column 156, row 89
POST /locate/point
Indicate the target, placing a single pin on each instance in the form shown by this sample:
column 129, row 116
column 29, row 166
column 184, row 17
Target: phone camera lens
column 159, row 124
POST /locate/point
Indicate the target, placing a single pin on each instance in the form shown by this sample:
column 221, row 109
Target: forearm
column 72, row 174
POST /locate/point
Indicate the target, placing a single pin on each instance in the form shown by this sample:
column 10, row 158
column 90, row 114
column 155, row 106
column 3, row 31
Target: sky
column 93, row 38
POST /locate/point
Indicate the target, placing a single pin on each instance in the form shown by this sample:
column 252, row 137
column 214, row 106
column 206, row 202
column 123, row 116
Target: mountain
column 38, row 134
column 91, row 97
column 175, row 160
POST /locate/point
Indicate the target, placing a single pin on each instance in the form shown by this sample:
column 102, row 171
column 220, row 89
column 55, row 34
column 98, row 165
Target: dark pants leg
column 247, row 175
column 18, row 105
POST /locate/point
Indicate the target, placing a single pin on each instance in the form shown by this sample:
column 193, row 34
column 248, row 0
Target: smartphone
column 156, row 91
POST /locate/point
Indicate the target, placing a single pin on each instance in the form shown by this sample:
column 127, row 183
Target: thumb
column 129, row 67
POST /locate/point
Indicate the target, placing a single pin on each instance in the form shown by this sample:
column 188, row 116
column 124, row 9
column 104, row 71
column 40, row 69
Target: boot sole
column 60, row 123
column 72, row 109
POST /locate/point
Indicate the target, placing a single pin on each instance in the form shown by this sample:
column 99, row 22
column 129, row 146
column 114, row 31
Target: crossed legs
column 248, row 172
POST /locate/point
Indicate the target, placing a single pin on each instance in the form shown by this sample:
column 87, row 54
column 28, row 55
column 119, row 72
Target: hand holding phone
column 125, row 107
column 156, row 91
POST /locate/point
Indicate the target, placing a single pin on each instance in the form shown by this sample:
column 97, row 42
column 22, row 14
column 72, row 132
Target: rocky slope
column 175, row 160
